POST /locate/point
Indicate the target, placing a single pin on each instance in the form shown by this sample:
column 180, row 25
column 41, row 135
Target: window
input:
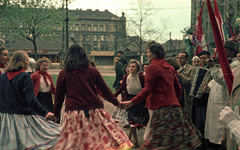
column 76, row 27
column 95, row 28
column 95, row 47
column 107, row 27
column 104, row 47
column 106, row 38
column 88, row 37
column 89, row 27
column 95, row 38
column 101, row 28
column 87, row 47
column 76, row 37
column 102, row 37
column 114, row 28
column 83, row 27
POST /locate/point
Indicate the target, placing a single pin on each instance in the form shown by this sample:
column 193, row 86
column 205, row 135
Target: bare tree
column 140, row 24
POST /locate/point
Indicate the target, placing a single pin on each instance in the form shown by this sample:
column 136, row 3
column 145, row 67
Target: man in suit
column 123, row 60
column 186, row 72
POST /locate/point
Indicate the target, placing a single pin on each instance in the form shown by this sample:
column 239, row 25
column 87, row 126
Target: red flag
column 219, row 23
column 200, row 30
column 222, row 57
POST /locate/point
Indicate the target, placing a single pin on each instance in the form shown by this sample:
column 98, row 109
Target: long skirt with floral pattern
column 91, row 130
column 27, row 132
column 170, row 129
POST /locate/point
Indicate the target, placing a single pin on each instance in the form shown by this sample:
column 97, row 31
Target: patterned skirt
column 137, row 114
column 170, row 129
column 120, row 115
column 27, row 132
column 94, row 129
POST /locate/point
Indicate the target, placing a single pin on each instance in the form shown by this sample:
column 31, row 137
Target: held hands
column 227, row 115
column 205, row 87
column 125, row 105
column 49, row 116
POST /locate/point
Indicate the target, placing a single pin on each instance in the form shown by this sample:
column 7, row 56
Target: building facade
column 232, row 7
column 101, row 33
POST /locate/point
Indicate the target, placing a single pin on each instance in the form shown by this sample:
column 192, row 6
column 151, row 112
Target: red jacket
column 123, row 86
column 161, row 86
column 80, row 88
column 36, row 82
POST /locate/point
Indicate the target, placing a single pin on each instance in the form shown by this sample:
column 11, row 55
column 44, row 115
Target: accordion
column 201, row 76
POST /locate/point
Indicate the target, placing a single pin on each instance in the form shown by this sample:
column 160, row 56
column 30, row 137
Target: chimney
column 106, row 10
column 89, row 9
column 97, row 10
column 122, row 14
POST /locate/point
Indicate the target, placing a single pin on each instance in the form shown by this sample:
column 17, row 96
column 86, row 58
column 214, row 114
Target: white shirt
column 43, row 86
column 133, row 84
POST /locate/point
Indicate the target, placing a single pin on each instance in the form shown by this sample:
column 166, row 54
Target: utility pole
column 170, row 41
column 63, row 44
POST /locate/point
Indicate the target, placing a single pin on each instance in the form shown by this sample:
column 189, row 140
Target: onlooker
column 43, row 84
column 238, row 56
column 168, row 128
column 144, row 67
column 20, row 127
column 204, row 56
column 3, row 59
column 119, row 73
column 187, row 72
column 87, row 125
column 123, row 60
column 196, row 61
column 132, row 85
column 31, row 66
column 173, row 62
column 231, row 49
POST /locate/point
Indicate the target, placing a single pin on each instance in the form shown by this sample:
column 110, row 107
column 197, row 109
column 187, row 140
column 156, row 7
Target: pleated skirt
column 27, row 132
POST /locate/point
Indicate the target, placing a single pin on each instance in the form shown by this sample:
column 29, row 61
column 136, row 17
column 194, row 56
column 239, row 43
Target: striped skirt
column 170, row 129
column 95, row 130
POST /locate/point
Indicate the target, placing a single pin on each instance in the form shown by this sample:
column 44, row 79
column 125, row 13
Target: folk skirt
column 170, row 129
column 91, row 129
column 27, row 132
column 45, row 100
column 137, row 114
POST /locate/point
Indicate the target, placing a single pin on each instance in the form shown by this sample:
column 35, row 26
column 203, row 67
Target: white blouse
column 133, row 84
column 43, row 86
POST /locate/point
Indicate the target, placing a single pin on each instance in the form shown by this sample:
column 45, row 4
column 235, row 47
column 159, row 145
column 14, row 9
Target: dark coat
column 119, row 75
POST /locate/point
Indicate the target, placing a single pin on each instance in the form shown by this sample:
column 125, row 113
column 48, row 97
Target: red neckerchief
column 44, row 75
column 2, row 66
column 76, row 70
column 11, row 75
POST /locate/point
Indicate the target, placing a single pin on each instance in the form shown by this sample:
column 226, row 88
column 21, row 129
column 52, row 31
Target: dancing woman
column 20, row 127
column 132, row 85
column 43, row 84
column 167, row 128
column 87, row 125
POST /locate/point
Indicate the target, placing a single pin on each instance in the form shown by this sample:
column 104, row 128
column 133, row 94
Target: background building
column 101, row 33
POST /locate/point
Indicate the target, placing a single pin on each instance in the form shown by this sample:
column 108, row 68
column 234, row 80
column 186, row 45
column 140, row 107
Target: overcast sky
column 179, row 11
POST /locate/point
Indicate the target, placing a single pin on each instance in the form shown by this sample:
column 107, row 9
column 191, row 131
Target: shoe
column 135, row 145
